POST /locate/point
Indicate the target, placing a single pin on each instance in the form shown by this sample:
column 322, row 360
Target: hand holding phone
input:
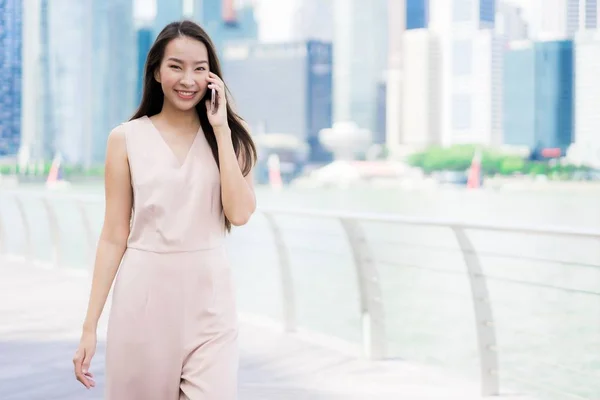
column 213, row 101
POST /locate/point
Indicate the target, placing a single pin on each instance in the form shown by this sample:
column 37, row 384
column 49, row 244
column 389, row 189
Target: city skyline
column 274, row 17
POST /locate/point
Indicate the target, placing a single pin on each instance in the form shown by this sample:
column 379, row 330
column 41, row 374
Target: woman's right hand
column 83, row 358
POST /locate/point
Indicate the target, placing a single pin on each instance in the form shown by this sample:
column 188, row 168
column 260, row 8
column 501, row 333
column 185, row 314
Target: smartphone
column 213, row 101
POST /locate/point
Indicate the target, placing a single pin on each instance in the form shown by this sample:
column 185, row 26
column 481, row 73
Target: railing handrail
column 552, row 230
column 546, row 230
column 371, row 307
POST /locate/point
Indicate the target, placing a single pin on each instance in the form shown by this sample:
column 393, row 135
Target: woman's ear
column 157, row 75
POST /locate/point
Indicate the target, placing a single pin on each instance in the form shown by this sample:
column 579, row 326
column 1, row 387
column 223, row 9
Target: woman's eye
column 200, row 69
column 175, row 66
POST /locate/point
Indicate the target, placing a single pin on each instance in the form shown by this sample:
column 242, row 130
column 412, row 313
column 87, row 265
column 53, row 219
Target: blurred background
column 399, row 92
column 417, row 120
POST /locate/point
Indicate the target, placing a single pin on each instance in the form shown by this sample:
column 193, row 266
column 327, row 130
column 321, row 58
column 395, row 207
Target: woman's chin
column 184, row 105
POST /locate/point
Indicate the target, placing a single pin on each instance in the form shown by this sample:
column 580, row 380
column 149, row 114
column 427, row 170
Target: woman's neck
column 184, row 120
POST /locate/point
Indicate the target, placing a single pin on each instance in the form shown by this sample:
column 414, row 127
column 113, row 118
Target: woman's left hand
column 218, row 117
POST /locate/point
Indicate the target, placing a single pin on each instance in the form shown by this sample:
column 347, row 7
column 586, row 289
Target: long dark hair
column 153, row 97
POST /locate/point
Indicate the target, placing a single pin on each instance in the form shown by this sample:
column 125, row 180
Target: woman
column 178, row 175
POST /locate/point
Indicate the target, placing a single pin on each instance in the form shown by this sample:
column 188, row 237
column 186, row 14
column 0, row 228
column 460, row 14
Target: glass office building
column 417, row 14
column 210, row 15
column 282, row 87
column 11, row 70
column 91, row 96
column 539, row 96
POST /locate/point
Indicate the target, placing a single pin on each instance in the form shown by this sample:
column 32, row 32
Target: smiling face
column 182, row 73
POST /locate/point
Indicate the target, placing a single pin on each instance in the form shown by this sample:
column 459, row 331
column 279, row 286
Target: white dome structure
column 345, row 138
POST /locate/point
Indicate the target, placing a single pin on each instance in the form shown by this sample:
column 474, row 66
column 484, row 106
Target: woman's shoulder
column 128, row 128
column 130, row 125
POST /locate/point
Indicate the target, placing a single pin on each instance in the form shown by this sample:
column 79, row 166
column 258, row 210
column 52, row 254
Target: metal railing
column 361, row 246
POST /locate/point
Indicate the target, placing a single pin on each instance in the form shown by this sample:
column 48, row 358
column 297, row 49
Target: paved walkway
column 41, row 311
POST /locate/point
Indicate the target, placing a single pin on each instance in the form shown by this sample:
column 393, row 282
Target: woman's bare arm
column 115, row 230
column 237, row 190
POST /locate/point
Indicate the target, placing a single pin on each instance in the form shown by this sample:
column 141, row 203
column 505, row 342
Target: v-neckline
column 179, row 164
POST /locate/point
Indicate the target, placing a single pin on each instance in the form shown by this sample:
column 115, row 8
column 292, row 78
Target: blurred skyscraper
column 510, row 22
column 313, row 20
column 417, row 14
column 555, row 19
column 379, row 135
column 31, row 84
column 167, row 11
column 471, row 71
column 11, row 70
column 538, row 99
column 396, row 25
column 586, row 148
column 411, row 77
column 589, row 14
column 90, row 96
column 283, row 88
column 224, row 25
column 45, row 146
column 519, row 94
column 144, row 43
column 116, row 42
column 360, row 54
column 421, row 91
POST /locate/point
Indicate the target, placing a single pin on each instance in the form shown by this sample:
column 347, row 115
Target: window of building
column 462, row 10
column 416, row 14
column 461, row 111
column 462, row 57
column 591, row 14
column 487, row 10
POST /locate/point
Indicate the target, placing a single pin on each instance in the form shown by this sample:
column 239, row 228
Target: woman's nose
column 187, row 79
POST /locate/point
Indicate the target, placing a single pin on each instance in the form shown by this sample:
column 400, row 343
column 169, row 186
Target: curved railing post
column 484, row 318
column 26, row 230
column 54, row 233
column 285, row 269
column 371, row 304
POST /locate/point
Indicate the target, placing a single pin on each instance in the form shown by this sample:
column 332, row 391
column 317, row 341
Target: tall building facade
column 554, row 19
column 144, row 43
column 46, row 134
column 90, row 97
column 360, row 55
column 167, row 11
column 226, row 25
column 11, row 70
column 539, row 95
column 471, row 71
column 71, row 90
column 421, row 120
column 379, row 135
column 115, row 36
column 413, row 76
column 417, row 14
column 31, row 82
column 421, row 89
column 313, row 20
column 511, row 23
column 519, row 95
column 282, row 88
column 586, row 147
column 589, row 14
column 396, row 26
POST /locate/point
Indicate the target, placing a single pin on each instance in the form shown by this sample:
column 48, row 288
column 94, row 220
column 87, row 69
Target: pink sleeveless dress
column 172, row 330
